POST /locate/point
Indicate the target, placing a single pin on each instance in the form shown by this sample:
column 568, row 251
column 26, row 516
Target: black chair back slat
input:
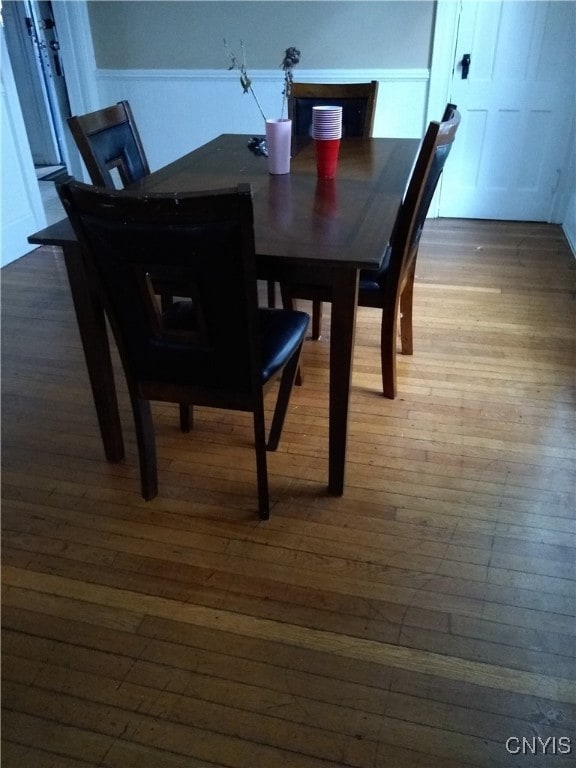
column 108, row 141
column 358, row 102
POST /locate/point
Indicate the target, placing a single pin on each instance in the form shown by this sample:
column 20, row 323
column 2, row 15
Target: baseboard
column 570, row 237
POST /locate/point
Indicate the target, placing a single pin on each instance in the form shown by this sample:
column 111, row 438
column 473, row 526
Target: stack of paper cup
column 327, row 132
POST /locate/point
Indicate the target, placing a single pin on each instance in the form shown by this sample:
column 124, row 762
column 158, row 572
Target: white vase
column 279, row 143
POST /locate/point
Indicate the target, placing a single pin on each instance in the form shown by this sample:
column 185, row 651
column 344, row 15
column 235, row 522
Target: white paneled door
column 517, row 103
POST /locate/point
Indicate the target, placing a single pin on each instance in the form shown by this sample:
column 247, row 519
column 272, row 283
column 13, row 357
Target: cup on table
column 278, row 139
column 327, row 132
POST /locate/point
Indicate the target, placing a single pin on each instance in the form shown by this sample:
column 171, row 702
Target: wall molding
column 267, row 75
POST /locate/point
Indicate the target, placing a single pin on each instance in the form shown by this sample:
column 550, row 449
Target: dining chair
column 110, row 145
column 391, row 287
column 449, row 110
column 358, row 102
column 220, row 350
column 317, row 305
column 114, row 156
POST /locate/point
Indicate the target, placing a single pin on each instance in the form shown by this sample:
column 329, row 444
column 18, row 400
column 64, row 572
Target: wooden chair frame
column 124, row 153
column 340, row 93
column 87, row 128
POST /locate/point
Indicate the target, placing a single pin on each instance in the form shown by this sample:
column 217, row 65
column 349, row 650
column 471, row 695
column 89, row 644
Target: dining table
column 307, row 230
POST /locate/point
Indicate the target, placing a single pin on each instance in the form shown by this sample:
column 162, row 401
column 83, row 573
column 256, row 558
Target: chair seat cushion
column 281, row 332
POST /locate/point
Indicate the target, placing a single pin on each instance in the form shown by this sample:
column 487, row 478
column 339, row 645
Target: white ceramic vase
column 279, row 142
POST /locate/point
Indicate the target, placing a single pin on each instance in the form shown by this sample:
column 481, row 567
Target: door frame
column 444, row 39
column 73, row 25
column 21, row 210
column 32, row 86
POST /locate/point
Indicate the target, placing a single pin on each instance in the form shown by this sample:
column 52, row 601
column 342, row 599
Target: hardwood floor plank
column 345, row 646
column 364, row 579
column 16, row 756
column 55, row 738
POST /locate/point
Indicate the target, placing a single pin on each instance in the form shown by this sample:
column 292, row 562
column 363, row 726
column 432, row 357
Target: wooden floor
column 420, row 621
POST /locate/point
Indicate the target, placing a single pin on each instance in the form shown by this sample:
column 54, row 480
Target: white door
column 22, row 42
column 21, row 211
column 517, row 106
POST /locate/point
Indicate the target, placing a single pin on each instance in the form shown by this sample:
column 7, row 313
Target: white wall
column 347, row 34
column 179, row 110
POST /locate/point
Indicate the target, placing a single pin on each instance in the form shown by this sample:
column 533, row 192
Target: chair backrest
column 358, row 101
column 202, row 241
column 432, row 156
column 108, row 140
column 449, row 111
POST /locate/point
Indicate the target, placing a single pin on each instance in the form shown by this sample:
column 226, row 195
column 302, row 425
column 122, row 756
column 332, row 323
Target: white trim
column 563, row 208
column 443, row 56
column 73, row 24
column 570, row 235
column 75, row 37
column 269, row 75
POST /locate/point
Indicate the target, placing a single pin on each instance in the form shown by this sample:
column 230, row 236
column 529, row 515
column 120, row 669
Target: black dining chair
column 358, row 102
column 219, row 350
column 114, row 156
column 110, row 146
column 391, row 287
column 317, row 305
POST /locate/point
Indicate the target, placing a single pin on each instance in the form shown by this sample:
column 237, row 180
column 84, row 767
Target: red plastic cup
column 327, row 157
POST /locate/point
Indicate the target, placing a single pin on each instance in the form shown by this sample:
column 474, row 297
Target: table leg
column 94, row 337
column 342, row 329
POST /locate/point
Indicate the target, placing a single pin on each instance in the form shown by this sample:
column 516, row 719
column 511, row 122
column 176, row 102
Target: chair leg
column 287, row 298
column 146, row 447
column 406, row 299
column 388, row 333
column 166, row 301
column 288, row 303
column 286, row 383
column 271, row 294
column 316, row 319
column 261, row 460
column 186, row 417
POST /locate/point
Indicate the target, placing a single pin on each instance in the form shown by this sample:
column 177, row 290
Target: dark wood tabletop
column 345, row 221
